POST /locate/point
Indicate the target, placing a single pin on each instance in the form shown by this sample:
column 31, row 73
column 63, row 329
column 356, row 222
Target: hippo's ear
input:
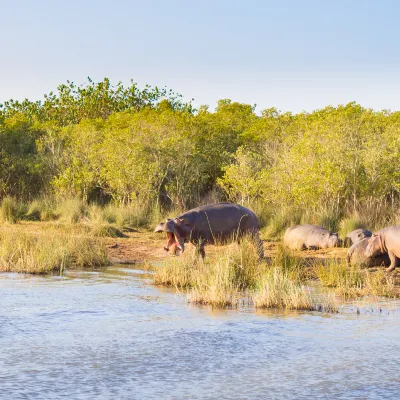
column 160, row 227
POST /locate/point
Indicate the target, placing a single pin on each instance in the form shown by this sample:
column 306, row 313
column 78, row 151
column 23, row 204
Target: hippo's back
column 296, row 237
column 221, row 219
column 356, row 236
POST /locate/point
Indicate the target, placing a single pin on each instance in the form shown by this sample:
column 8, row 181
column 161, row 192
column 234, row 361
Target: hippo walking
column 211, row 224
column 356, row 236
column 386, row 240
column 311, row 237
column 356, row 256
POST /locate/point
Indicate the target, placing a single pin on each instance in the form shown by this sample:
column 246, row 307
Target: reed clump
column 237, row 272
column 277, row 290
column 42, row 254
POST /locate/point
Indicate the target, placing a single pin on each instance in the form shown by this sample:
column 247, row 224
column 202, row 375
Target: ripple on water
column 109, row 334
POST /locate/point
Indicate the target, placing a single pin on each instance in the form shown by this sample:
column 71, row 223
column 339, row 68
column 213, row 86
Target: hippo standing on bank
column 356, row 256
column 310, row 237
column 356, row 236
column 211, row 224
column 387, row 240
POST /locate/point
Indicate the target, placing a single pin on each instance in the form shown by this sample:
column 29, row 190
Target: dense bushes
column 148, row 148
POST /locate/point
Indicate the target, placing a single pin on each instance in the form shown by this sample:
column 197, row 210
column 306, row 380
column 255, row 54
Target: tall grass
column 279, row 221
column 236, row 272
column 72, row 210
column 11, row 210
column 276, row 290
column 40, row 254
column 350, row 223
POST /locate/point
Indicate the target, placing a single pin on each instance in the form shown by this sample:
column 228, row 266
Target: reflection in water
column 110, row 334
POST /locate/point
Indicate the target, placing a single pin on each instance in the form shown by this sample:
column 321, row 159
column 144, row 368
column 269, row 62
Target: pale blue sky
column 294, row 55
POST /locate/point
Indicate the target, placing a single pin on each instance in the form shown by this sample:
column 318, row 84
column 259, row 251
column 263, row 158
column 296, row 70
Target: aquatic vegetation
column 276, row 290
column 236, row 271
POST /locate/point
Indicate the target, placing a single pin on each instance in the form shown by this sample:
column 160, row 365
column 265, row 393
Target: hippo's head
column 176, row 232
column 374, row 246
column 334, row 240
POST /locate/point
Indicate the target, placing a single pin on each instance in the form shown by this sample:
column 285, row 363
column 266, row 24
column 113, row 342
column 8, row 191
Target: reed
column 277, row 290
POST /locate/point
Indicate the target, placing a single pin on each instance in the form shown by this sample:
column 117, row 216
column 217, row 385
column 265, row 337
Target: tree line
column 148, row 146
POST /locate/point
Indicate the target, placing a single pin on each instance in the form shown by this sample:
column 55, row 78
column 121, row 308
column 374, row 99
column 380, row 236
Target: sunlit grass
column 352, row 281
column 237, row 272
column 43, row 253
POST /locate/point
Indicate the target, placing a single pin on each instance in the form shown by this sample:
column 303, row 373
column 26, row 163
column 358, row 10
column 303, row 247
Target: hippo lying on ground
column 312, row 237
column 356, row 236
column 387, row 240
column 214, row 223
column 356, row 256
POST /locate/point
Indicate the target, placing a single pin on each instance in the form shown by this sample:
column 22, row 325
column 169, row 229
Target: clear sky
column 291, row 54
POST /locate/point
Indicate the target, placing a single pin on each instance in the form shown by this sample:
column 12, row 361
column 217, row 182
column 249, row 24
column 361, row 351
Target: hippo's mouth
column 174, row 245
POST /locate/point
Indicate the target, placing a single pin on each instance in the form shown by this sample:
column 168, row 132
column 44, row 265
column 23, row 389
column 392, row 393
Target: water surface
column 111, row 335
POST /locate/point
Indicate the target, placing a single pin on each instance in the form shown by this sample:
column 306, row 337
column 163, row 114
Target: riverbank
column 221, row 280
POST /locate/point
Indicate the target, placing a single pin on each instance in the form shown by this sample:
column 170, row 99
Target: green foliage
column 149, row 150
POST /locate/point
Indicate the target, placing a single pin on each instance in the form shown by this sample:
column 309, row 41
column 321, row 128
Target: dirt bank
column 144, row 246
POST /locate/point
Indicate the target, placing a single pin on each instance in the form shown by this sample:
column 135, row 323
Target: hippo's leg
column 200, row 249
column 393, row 262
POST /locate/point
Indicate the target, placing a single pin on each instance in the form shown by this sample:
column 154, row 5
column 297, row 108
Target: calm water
column 110, row 335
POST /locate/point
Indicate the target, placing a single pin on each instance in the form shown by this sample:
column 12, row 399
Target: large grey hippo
column 386, row 240
column 311, row 237
column 211, row 224
column 356, row 256
column 356, row 236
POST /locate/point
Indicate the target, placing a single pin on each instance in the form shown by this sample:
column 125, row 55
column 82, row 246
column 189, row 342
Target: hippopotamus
column 356, row 256
column 210, row 224
column 356, row 236
column 312, row 237
column 386, row 240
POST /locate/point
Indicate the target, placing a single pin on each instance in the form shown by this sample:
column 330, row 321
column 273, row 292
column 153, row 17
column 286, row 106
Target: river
column 111, row 335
